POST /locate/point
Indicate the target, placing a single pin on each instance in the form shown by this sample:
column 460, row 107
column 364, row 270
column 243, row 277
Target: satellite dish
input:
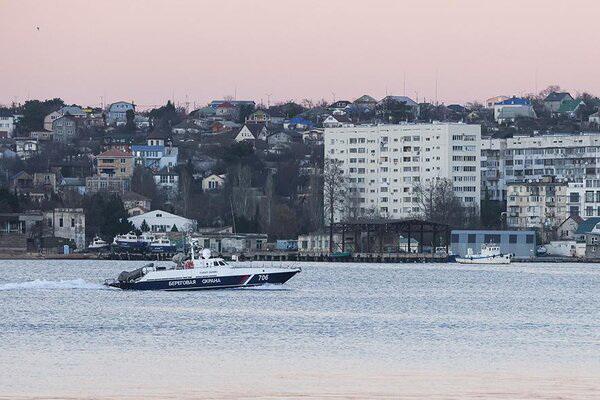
column 206, row 254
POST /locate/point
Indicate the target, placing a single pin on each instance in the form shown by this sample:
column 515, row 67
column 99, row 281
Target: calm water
column 335, row 330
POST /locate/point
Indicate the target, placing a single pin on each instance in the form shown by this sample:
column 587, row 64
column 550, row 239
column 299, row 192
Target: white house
column 594, row 118
column 116, row 113
column 513, row 108
column 49, row 119
column 26, row 147
column 7, row 124
column 67, row 223
column 157, row 153
column 162, row 221
column 331, row 122
column 252, row 132
column 167, row 179
column 213, row 182
column 489, row 103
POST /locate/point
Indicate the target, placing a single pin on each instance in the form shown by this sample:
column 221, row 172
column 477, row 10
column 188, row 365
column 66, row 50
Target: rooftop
column 557, row 96
column 586, row 226
column 114, row 153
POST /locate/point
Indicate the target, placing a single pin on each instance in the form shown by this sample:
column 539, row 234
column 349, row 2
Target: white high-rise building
column 384, row 163
column 572, row 157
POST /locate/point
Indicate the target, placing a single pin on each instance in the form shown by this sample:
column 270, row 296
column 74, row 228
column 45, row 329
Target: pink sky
column 149, row 51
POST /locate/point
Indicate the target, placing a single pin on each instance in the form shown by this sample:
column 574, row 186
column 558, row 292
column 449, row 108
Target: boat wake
column 266, row 286
column 53, row 285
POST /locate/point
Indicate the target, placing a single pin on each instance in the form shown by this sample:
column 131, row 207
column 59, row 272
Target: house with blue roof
column 510, row 109
column 157, row 153
column 298, row 123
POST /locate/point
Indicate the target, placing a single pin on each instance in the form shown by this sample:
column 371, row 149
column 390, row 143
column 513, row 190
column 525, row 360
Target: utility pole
column 436, row 87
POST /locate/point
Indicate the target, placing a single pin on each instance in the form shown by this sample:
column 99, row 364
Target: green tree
column 33, row 113
column 105, row 215
column 394, row 111
column 9, row 202
column 174, row 228
column 130, row 125
column 244, row 111
column 165, row 117
column 144, row 227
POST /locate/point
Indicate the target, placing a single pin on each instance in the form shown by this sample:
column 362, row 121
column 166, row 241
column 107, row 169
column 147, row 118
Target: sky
column 94, row 52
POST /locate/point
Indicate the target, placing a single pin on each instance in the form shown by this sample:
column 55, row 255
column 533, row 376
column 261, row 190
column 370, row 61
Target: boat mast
column 192, row 248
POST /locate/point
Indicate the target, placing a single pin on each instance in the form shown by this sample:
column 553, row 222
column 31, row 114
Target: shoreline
column 97, row 256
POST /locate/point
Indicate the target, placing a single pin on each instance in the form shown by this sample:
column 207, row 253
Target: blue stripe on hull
column 210, row 283
column 163, row 249
column 132, row 245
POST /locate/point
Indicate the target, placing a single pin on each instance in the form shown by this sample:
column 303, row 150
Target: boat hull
column 163, row 249
column 222, row 282
column 131, row 245
column 491, row 260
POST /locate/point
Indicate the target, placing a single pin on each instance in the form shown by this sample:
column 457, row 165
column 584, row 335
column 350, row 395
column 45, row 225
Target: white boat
column 97, row 243
column 490, row 254
column 199, row 273
column 147, row 238
column 129, row 241
column 162, row 244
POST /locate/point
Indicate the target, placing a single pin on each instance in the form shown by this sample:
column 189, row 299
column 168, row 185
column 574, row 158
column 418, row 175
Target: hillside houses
column 261, row 166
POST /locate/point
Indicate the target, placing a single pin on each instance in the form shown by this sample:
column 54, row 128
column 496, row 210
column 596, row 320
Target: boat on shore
column 97, row 244
column 129, row 241
column 198, row 273
column 162, row 245
column 490, row 254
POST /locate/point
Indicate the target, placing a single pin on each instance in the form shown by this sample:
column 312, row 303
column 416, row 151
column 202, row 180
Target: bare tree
column 544, row 93
column 352, row 209
column 186, row 188
column 437, row 202
column 334, row 193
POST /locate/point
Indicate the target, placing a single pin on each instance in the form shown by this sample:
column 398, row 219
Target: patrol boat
column 199, row 273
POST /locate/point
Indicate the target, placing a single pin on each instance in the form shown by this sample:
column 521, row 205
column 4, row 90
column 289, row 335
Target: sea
column 334, row 331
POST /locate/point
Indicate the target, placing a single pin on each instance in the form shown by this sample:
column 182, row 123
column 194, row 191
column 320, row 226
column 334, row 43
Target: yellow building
column 115, row 163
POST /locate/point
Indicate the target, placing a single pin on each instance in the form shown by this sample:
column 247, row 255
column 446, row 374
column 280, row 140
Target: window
column 471, row 238
column 589, row 196
column 512, row 239
column 529, row 239
column 60, row 222
column 454, row 238
column 489, row 238
column 574, row 197
column 72, row 222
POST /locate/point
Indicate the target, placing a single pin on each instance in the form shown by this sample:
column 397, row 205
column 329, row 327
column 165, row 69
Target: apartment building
column 572, row 157
column 538, row 203
column 583, row 198
column 383, row 163
column 493, row 169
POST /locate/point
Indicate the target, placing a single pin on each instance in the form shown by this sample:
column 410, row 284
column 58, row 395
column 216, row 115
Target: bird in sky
column 37, row 27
